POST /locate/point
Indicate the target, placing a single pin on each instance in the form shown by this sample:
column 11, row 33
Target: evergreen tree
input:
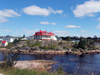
column 23, row 36
column 82, row 43
column 68, row 38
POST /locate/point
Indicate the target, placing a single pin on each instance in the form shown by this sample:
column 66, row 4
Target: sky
column 62, row 17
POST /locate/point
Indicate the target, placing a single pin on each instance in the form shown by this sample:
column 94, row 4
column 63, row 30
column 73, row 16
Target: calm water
column 97, row 44
column 70, row 63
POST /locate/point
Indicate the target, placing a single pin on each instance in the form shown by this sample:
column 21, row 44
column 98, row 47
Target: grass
column 14, row 71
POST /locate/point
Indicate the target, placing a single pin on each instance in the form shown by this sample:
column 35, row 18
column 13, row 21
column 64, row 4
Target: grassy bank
column 14, row 71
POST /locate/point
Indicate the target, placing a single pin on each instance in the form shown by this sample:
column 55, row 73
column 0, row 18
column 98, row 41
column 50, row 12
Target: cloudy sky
column 62, row 17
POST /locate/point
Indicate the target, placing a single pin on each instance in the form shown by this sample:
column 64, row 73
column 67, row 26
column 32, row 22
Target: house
column 23, row 39
column 9, row 38
column 30, row 37
column 4, row 43
column 44, row 35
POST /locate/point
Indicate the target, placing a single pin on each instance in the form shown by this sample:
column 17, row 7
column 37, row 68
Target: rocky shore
column 42, row 65
column 80, row 52
column 35, row 64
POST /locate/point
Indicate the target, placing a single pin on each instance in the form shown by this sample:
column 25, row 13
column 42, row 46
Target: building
column 8, row 38
column 4, row 43
column 30, row 37
column 25, row 38
column 44, row 35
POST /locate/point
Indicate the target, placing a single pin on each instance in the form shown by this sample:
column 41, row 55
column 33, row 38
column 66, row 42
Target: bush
column 60, row 70
column 64, row 47
column 44, row 47
column 10, row 45
column 60, row 43
column 35, row 44
column 74, row 49
column 10, row 59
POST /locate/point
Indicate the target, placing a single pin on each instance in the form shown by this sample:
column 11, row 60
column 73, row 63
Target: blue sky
column 62, row 17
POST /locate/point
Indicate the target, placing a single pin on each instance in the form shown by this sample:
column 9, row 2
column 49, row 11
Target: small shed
column 4, row 43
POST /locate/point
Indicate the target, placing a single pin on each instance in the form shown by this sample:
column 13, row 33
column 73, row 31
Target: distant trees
column 84, row 43
column 16, row 40
column 68, row 38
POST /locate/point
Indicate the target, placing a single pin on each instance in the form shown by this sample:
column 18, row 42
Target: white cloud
column 71, row 7
column 46, row 23
column 7, row 30
column 59, row 11
column 4, row 30
column 30, row 32
column 36, row 10
column 72, row 26
column 35, row 26
column 86, row 34
column 61, row 33
column 7, row 13
column 83, row 31
column 3, row 19
column 51, row 10
column 64, row 15
column 55, row 11
column 98, row 27
column 98, row 19
column 53, row 23
column 89, row 8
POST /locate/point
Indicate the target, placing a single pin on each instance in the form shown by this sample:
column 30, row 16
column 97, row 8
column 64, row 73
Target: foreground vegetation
column 14, row 71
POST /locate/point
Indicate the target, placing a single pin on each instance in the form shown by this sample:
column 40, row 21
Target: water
column 97, row 44
column 70, row 63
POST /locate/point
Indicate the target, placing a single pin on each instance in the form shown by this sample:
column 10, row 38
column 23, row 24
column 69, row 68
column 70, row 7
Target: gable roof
column 4, row 41
column 45, row 33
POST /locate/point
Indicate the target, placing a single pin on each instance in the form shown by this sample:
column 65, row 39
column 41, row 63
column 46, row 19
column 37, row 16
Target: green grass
column 14, row 71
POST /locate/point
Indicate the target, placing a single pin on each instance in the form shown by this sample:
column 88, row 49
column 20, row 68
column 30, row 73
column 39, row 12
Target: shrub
column 35, row 44
column 60, row 43
column 10, row 59
column 60, row 70
column 44, row 47
column 10, row 45
column 64, row 47
column 74, row 49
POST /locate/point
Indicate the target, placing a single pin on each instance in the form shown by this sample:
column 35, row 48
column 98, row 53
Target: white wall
column 45, row 37
column 5, row 44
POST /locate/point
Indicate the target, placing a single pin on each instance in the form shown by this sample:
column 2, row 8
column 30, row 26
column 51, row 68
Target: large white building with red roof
column 44, row 35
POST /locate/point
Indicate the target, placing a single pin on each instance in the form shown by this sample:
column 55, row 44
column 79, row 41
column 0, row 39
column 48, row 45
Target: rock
column 81, row 50
column 35, row 64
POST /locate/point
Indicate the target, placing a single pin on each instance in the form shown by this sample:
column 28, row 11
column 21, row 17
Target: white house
column 24, row 39
column 8, row 38
column 44, row 35
column 4, row 43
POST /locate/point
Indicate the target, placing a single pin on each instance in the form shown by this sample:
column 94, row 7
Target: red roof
column 4, row 41
column 45, row 33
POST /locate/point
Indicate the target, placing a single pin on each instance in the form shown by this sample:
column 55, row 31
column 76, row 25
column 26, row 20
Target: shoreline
column 40, row 65
column 53, row 52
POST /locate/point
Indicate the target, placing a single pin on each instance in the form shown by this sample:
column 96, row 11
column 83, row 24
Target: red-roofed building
column 44, row 35
column 4, row 43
